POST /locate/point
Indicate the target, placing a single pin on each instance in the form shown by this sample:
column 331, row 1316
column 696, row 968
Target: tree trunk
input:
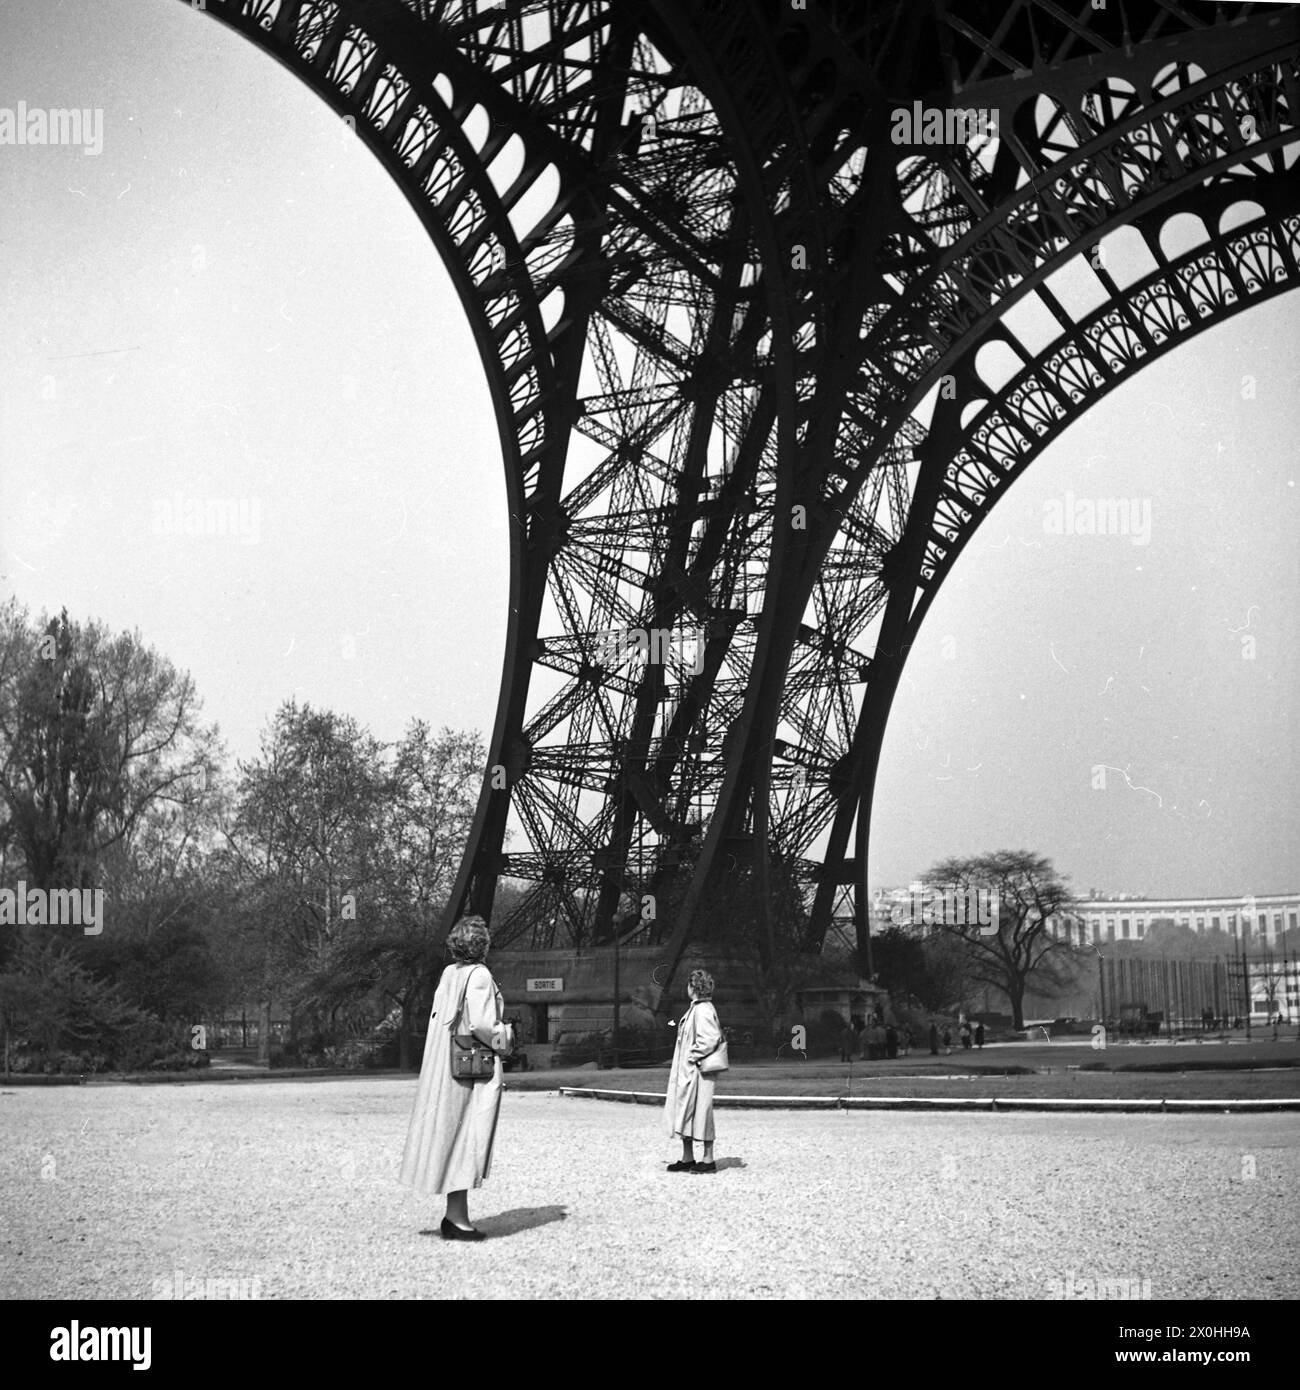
column 264, row 1033
column 404, row 1040
column 1016, row 994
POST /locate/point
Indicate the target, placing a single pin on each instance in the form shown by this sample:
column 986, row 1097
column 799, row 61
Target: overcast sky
column 232, row 301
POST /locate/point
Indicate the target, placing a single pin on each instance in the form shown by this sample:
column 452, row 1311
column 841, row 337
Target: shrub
column 386, row 1054
column 298, row 1056
column 140, row 1045
column 188, row 1060
column 353, row 1054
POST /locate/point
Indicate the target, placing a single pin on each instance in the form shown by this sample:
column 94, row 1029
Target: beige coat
column 688, row 1107
column 449, row 1143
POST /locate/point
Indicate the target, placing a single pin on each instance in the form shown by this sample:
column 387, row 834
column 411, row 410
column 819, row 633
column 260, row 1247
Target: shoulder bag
column 474, row 1062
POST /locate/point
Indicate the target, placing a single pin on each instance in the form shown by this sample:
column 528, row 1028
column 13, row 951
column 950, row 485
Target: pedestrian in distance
column 979, row 1035
column 965, row 1033
column 947, row 1041
column 453, row 1127
column 891, row 1042
column 934, row 1040
column 688, row 1106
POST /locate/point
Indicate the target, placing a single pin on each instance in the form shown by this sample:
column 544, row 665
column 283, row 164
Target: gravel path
column 121, row 1191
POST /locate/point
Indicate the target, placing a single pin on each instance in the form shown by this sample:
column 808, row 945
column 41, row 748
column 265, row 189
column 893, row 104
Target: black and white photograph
column 649, row 651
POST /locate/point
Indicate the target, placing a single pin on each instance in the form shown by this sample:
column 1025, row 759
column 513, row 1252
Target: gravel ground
column 121, row 1191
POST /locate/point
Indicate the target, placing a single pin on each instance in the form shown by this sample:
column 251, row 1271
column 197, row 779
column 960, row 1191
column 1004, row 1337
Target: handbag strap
column 460, row 1003
column 722, row 1039
column 722, row 1036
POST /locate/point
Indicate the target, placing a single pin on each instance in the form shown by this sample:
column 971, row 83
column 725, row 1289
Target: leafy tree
column 171, row 972
column 931, row 972
column 96, row 731
column 1022, row 952
column 48, row 998
column 900, row 964
column 305, row 838
column 393, row 948
column 167, row 947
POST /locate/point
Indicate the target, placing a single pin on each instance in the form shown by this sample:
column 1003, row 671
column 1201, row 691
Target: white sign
column 545, row 986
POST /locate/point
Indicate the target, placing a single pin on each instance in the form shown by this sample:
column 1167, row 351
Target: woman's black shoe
column 451, row 1231
column 684, row 1166
column 706, row 1168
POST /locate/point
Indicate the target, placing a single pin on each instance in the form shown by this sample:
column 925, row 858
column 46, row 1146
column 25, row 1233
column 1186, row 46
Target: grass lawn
column 1240, row 1070
column 1207, row 1071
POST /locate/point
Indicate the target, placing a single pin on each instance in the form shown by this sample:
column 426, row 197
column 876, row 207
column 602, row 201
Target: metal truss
column 735, row 326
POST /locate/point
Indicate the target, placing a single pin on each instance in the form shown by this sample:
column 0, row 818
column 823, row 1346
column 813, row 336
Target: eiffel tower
column 768, row 334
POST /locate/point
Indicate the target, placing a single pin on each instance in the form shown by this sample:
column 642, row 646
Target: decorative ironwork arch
column 737, row 314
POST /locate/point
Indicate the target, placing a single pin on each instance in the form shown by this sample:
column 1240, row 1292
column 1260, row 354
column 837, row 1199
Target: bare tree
column 1018, row 949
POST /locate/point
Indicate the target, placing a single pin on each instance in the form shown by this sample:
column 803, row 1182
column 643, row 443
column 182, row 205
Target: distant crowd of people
column 879, row 1039
column 1214, row 1023
column 874, row 1040
column 969, row 1037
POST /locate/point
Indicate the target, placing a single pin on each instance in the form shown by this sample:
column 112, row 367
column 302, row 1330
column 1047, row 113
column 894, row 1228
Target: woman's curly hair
column 468, row 940
column 701, row 983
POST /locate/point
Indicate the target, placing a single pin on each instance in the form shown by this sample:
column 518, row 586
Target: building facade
column 1256, row 921
column 1263, row 929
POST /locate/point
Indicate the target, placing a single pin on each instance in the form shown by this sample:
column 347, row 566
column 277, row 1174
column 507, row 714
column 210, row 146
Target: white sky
column 232, row 301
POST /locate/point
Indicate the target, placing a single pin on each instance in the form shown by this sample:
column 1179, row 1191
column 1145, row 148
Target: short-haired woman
column 688, row 1107
column 449, row 1143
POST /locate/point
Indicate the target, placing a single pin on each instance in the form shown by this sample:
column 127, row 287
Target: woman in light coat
column 688, row 1107
column 449, row 1143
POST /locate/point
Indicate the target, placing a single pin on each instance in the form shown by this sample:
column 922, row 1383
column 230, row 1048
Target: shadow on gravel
column 510, row 1223
column 730, row 1163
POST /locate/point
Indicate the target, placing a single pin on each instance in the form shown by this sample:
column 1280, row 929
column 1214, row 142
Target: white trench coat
column 449, row 1143
column 688, row 1107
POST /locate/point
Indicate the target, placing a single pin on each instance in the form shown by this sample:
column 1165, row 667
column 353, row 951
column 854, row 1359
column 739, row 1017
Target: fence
column 1204, row 994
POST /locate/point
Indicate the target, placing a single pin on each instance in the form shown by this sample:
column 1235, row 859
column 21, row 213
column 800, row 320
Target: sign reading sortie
column 545, row 986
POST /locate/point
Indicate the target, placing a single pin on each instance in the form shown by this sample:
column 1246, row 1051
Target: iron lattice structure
column 760, row 369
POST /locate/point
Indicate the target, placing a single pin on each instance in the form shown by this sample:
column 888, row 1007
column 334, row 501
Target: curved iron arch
column 377, row 64
column 973, row 473
column 777, row 122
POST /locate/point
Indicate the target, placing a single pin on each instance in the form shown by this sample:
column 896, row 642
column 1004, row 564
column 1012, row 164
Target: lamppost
column 1245, row 983
column 616, row 997
column 1101, row 982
